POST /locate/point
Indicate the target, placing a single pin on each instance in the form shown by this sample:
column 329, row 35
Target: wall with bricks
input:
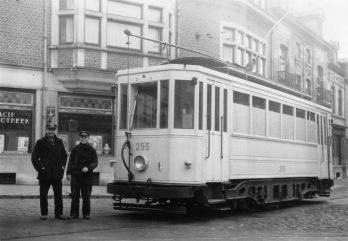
column 22, row 28
column 117, row 61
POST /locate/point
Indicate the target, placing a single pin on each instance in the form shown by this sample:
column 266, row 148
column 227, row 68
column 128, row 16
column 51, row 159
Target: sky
column 336, row 25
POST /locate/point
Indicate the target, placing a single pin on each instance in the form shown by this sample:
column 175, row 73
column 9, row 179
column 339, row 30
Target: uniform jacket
column 82, row 156
column 51, row 157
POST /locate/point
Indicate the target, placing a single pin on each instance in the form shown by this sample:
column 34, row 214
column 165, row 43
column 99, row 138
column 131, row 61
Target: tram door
column 324, row 151
column 216, row 131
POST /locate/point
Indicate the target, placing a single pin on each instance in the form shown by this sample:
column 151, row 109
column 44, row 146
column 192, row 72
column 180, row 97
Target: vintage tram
column 197, row 133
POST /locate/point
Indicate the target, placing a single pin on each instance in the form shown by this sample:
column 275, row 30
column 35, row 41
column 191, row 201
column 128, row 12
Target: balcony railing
column 324, row 96
column 289, row 80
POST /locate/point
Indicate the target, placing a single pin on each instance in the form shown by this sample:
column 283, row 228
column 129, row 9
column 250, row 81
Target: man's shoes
column 73, row 217
column 86, row 217
column 43, row 217
column 60, row 217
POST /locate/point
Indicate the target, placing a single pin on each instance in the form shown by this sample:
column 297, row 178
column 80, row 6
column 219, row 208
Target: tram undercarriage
column 248, row 194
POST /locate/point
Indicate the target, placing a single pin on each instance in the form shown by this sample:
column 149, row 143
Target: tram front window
column 184, row 104
column 145, row 114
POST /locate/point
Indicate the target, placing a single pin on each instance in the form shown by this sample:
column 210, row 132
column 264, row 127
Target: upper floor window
column 117, row 38
column 340, row 109
column 155, row 15
column 243, row 48
column 154, row 33
column 93, row 5
column 308, row 56
column 333, row 99
column 125, row 9
column 66, row 29
column 298, row 51
column 66, row 4
column 92, row 30
column 283, row 58
column 308, row 87
column 320, row 74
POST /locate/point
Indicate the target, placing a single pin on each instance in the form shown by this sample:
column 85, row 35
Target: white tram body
column 201, row 137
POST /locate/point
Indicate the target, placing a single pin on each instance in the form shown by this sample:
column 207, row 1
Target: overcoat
column 51, row 157
column 82, row 155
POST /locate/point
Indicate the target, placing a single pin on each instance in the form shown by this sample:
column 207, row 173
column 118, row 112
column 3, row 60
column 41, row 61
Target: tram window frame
column 124, row 106
column 300, row 117
column 288, row 130
column 184, row 96
column 274, row 130
column 318, row 130
column 310, row 131
column 325, row 131
column 209, row 107
column 200, row 106
column 225, row 108
column 258, row 119
column 217, row 108
column 164, row 103
column 241, row 124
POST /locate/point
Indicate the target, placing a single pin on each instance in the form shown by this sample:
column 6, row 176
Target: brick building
column 58, row 59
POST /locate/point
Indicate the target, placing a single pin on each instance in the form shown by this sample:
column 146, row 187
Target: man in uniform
column 49, row 159
column 83, row 160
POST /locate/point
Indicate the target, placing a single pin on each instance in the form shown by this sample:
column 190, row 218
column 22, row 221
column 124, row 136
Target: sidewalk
column 340, row 189
column 32, row 191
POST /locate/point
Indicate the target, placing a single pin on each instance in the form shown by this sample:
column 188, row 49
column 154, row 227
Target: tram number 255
column 281, row 168
column 143, row 146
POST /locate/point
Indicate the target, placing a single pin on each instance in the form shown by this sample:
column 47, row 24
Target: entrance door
column 216, row 131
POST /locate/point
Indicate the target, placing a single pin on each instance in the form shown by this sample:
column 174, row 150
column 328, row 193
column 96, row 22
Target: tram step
column 215, row 201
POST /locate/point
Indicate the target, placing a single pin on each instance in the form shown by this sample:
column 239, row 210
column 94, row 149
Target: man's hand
column 68, row 177
column 85, row 169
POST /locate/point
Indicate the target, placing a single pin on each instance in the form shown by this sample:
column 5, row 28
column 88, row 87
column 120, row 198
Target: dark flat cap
column 84, row 133
column 51, row 125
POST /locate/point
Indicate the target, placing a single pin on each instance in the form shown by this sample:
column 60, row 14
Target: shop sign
column 9, row 117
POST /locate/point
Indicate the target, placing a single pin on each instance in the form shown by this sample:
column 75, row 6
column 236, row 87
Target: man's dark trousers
column 58, row 197
column 83, row 184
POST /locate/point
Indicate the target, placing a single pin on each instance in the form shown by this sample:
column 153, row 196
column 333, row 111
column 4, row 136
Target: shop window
column 184, row 104
column 16, row 122
column 92, row 30
column 94, row 115
column 66, row 29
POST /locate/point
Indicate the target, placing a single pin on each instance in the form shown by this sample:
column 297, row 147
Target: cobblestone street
column 317, row 218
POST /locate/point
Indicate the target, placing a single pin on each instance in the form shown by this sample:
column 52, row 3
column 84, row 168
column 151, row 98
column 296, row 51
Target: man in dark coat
column 83, row 160
column 49, row 159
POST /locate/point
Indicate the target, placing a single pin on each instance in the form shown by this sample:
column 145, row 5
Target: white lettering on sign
column 10, row 118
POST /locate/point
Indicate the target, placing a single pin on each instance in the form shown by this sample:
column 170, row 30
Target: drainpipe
column 44, row 79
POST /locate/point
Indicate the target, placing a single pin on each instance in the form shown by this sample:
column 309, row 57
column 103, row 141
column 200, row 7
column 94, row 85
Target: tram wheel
column 249, row 205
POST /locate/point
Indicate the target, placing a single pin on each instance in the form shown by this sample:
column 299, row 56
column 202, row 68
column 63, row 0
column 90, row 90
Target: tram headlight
column 140, row 163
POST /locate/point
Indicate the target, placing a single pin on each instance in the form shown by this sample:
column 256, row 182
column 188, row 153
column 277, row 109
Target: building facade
column 59, row 59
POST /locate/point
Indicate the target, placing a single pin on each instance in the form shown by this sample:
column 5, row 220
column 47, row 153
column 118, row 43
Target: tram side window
column 300, row 125
column 184, row 104
column 124, row 107
column 259, row 116
column 318, row 130
column 311, row 127
column 241, row 114
column 225, row 109
column 200, row 114
column 274, row 119
column 288, row 122
column 164, row 103
column 209, row 116
column 145, row 114
column 325, row 131
column 217, row 108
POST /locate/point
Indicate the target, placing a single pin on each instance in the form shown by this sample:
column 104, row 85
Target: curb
column 50, row 196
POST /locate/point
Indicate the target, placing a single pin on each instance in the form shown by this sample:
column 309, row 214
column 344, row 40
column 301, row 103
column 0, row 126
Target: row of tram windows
column 252, row 115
